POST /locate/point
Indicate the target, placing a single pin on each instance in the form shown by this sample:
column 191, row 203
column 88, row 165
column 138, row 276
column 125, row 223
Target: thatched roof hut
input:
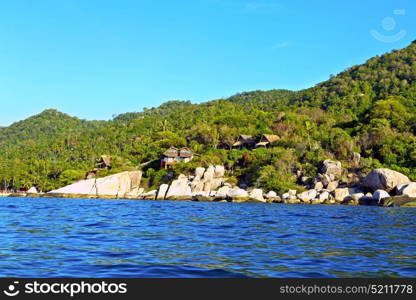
column 244, row 140
column 174, row 155
column 171, row 152
column 267, row 139
column 185, row 152
column 104, row 162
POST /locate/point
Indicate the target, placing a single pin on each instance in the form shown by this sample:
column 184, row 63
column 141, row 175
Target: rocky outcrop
column 135, row 193
column 238, row 195
column 380, row 194
column 333, row 168
column 219, row 171
column 272, row 197
column 344, row 194
column 199, row 172
column 222, row 193
column 408, row 189
column 204, row 196
column 117, row 185
column 199, row 187
column 161, row 193
column 399, row 201
column 151, row 195
column 332, row 186
column 318, row 186
column 384, row 179
column 306, row 197
column 180, row 189
column 256, row 195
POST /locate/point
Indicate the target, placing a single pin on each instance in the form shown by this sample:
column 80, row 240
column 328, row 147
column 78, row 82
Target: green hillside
column 370, row 109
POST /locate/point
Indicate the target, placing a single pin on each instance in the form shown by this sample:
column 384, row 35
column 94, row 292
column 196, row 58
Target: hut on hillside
column 174, row 155
column 244, row 141
column 266, row 140
column 185, row 154
column 104, row 162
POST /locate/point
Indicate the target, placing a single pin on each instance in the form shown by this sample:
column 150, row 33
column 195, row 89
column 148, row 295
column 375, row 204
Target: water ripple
column 105, row 238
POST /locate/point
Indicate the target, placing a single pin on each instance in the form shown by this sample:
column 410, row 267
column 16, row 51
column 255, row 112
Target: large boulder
column 332, row 186
column 292, row 192
column 117, row 185
column 180, row 189
column 161, row 193
column 199, row 172
column 400, row 201
column 323, row 196
column 292, row 200
column 342, row 194
column 307, row 196
column 271, row 195
column 151, row 195
column 209, row 173
column 325, row 179
column 380, row 194
column 213, row 184
column 203, row 196
column 357, row 196
column 331, row 168
column 238, row 195
column 256, row 195
column 32, row 190
column 197, row 186
column 318, row 186
column 83, row 187
column 408, row 189
column 384, row 179
column 135, row 178
column 219, row 171
column 135, row 193
column 222, row 193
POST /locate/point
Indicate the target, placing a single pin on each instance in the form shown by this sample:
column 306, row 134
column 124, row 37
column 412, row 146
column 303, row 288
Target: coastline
column 395, row 201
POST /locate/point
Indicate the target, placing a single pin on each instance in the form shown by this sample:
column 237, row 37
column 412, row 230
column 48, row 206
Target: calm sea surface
column 114, row 238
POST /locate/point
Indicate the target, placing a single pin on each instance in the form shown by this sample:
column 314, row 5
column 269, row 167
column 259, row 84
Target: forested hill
column 369, row 109
column 353, row 92
column 50, row 123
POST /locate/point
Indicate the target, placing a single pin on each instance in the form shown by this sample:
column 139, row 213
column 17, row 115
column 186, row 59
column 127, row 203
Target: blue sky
column 97, row 58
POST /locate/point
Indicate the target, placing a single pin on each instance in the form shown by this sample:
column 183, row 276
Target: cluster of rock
column 377, row 187
column 208, row 185
column 380, row 187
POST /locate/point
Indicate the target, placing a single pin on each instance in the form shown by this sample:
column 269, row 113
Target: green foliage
column 69, row 176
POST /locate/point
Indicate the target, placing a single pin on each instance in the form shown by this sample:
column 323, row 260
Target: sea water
column 117, row 238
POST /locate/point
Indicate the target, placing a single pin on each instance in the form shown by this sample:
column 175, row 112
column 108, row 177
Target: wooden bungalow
column 174, row 155
column 266, row 140
column 244, row 141
column 185, row 154
column 104, row 162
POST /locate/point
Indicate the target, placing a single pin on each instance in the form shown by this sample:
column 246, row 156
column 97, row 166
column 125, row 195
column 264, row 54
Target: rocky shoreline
column 381, row 187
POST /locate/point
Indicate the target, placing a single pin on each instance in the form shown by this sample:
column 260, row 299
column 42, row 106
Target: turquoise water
column 115, row 238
